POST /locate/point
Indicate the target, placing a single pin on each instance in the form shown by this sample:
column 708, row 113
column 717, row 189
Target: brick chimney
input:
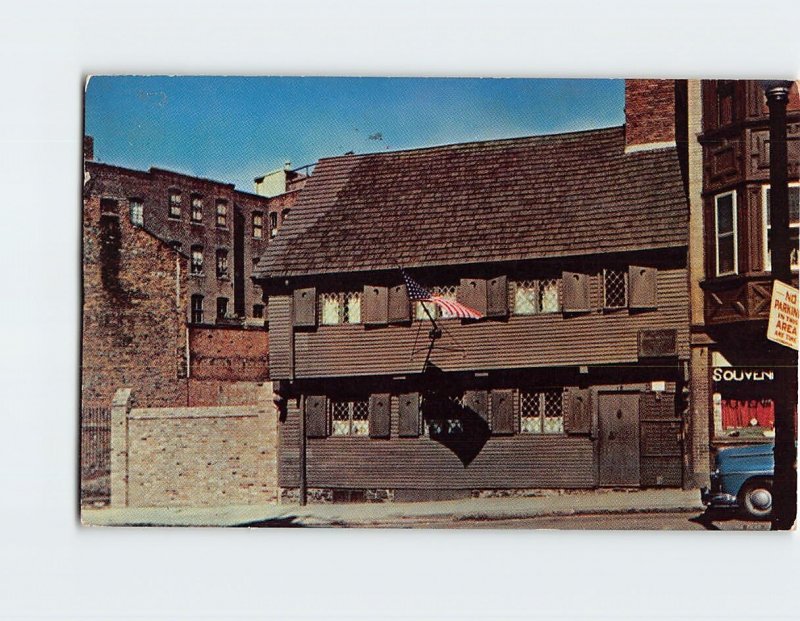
column 649, row 114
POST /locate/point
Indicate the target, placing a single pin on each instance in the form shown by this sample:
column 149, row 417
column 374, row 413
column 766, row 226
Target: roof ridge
column 474, row 143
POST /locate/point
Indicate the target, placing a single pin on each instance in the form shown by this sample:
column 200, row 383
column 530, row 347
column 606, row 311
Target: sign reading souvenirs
column 723, row 374
column 783, row 315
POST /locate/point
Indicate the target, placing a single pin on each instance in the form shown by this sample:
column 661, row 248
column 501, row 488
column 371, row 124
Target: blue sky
column 236, row 128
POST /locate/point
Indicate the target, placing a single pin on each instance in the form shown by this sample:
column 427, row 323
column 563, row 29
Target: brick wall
column 228, row 354
column 203, row 456
column 649, row 112
column 134, row 289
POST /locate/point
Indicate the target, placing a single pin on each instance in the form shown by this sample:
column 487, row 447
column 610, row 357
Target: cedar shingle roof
column 523, row 198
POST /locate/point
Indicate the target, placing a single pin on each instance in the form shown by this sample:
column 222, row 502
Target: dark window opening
column 258, row 311
column 222, row 308
column 273, row 224
column 109, row 205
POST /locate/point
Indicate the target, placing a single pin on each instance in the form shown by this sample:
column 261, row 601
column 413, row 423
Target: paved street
column 637, row 521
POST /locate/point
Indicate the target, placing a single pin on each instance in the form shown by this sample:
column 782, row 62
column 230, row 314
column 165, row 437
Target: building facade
column 733, row 379
column 574, row 248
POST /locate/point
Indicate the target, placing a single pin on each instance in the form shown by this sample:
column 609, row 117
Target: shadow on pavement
column 282, row 522
column 707, row 519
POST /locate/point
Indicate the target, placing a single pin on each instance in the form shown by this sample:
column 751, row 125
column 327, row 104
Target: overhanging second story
column 573, row 250
column 736, row 199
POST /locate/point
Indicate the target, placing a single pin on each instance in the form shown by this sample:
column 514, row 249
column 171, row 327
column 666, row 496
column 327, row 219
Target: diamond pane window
column 340, row 417
column 529, row 419
column 525, row 297
column 615, row 288
column 553, row 412
column 448, row 292
column 541, row 411
column 349, row 418
column 548, row 295
column 336, row 308
column 351, row 308
column 329, row 308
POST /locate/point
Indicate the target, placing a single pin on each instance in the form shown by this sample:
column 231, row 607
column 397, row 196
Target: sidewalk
column 403, row 514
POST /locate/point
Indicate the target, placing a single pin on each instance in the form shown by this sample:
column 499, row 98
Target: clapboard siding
column 421, row 463
column 521, row 341
column 279, row 313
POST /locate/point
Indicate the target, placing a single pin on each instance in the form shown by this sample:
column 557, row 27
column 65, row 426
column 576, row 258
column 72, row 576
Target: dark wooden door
column 618, row 442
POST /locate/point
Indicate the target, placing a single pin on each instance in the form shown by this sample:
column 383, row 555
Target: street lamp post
column 784, row 508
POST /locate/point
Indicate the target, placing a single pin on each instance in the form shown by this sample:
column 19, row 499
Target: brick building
column 733, row 380
column 169, row 306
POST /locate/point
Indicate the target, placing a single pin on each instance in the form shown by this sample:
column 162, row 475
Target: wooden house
column 573, row 247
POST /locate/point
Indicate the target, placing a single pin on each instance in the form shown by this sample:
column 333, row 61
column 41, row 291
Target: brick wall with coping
column 202, row 456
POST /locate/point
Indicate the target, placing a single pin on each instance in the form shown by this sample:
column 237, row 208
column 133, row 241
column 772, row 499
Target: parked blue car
column 742, row 479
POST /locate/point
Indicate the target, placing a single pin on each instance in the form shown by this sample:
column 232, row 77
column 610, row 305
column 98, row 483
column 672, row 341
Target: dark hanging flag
column 418, row 293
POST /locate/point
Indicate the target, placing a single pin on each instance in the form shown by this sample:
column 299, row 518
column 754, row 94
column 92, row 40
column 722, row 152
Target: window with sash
column 340, row 307
column 532, row 297
column 794, row 227
column 349, row 418
column 222, row 213
column 541, row 411
column 258, row 225
column 196, row 266
column 222, row 263
column 727, row 259
column 136, row 211
column 174, row 204
column 197, row 308
column 197, row 208
column 615, row 288
column 447, row 292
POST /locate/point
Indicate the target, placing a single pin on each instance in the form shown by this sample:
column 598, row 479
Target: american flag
column 418, row 293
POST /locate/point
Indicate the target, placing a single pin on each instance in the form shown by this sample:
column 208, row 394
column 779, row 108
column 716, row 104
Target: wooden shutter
column 476, row 400
column 408, row 415
column 472, row 293
column 642, row 285
column 305, row 308
column 578, row 417
column 399, row 307
column 497, row 294
column 379, row 415
column 576, row 292
column 502, row 412
column 376, row 305
column 316, row 416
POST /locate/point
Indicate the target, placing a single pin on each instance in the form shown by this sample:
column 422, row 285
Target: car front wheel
column 756, row 499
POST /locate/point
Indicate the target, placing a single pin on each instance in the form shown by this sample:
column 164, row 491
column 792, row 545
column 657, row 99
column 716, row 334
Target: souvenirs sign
column 783, row 315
